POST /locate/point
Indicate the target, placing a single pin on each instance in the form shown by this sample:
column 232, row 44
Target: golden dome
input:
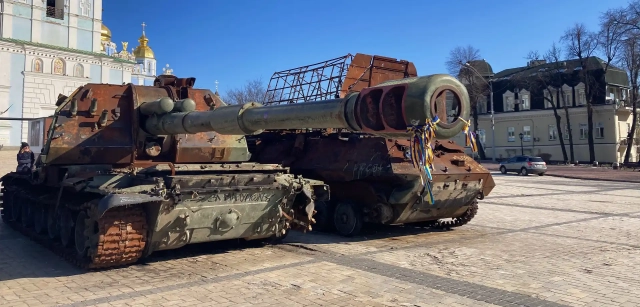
column 143, row 50
column 105, row 34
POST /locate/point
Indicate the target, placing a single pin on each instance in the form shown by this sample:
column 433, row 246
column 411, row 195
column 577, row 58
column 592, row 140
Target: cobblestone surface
column 536, row 241
column 584, row 172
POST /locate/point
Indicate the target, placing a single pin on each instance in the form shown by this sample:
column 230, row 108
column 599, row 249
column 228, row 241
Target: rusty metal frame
column 334, row 78
column 319, row 81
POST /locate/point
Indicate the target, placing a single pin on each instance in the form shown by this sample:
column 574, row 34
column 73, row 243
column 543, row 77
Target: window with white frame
column 55, row 9
column 525, row 103
column 511, row 134
column 553, row 132
column 584, row 131
column 549, row 95
column 85, row 7
column 482, row 105
column 599, row 131
column 508, row 105
column 481, row 135
column 566, row 132
column 526, row 131
column 508, row 101
column 567, row 99
column 582, row 97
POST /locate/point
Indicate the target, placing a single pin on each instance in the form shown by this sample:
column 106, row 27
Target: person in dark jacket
column 26, row 159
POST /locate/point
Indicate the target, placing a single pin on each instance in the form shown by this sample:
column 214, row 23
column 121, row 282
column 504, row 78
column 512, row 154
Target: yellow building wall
column 607, row 148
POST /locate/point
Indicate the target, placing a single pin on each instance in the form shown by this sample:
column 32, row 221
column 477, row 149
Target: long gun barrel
column 387, row 109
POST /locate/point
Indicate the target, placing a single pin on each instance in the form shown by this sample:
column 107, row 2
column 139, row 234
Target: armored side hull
column 372, row 180
column 110, row 219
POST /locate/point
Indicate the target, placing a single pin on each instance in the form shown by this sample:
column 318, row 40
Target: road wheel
column 27, row 212
column 323, row 217
column 503, row 169
column 524, row 172
column 347, row 218
column 53, row 230
column 86, row 234
column 7, row 203
column 541, row 174
column 65, row 225
column 16, row 209
column 40, row 218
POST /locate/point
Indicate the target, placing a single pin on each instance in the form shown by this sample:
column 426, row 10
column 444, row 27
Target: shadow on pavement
column 21, row 258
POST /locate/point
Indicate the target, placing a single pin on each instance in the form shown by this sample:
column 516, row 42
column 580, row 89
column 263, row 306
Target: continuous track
column 465, row 218
column 120, row 238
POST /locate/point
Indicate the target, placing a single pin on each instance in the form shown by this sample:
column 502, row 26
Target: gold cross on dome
column 143, row 25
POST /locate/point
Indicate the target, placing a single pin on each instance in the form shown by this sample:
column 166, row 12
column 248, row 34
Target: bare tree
column 476, row 86
column 630, row 60
column 582, row 44
column 546, row 79
column 253, row 91
column 624, row 21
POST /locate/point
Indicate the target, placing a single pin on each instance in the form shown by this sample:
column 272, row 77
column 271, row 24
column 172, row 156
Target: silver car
column 524, row 165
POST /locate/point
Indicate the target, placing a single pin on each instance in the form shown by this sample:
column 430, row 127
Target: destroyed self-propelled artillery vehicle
column 372, row 177
column 127, row 170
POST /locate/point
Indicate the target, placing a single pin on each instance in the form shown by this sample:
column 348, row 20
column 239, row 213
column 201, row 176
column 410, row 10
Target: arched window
column 550, row 97
column 37, row 65
column 581, row 97
column 566, row 97
column 58, row 66
column 524, row 99
column 78, row 71
column 508, row 100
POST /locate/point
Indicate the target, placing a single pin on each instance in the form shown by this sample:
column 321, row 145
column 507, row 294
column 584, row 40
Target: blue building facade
column 51, row 47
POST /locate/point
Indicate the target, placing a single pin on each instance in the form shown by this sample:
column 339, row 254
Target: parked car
column 524, row 165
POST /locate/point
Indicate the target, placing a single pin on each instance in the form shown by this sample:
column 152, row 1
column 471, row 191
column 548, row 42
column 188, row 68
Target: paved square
column 536, row 241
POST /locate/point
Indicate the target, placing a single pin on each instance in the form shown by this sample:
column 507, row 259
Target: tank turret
column 173, row 122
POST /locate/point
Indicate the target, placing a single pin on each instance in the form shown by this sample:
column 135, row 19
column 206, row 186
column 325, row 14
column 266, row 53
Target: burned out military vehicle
column 127, row 170
column 372, row 177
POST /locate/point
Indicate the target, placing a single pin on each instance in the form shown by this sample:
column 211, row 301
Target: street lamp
column 493, row 129
column 521, row 146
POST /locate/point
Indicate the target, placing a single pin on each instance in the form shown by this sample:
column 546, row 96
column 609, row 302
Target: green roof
column 96, row 54
column 482, row 66
column 593, row 63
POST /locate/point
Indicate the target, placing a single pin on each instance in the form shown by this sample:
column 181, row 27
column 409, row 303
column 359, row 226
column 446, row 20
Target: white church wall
column 41, row 93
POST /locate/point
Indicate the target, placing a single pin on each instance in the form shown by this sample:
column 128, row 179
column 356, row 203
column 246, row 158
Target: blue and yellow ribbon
column 422, row 155
column 470, row 139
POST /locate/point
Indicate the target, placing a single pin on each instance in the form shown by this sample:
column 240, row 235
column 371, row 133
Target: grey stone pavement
column 585, row 172
column 536, row 241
